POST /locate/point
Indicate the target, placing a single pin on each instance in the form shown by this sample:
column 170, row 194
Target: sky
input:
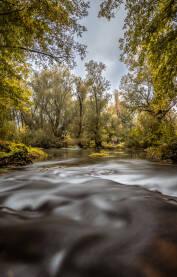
column 101, row 39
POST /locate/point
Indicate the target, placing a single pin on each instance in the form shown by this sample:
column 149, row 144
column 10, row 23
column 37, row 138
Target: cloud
column 102, row 42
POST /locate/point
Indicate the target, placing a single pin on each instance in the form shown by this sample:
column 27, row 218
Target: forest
column 53, row 108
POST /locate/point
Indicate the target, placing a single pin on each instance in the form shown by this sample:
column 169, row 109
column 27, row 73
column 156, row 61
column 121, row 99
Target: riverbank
column 156, row 154
column 18, row 154
column 160, row 153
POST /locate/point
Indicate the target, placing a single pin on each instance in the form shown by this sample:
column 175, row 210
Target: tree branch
column 31, row 51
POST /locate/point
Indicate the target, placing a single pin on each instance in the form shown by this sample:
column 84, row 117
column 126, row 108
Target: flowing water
column 74, row 215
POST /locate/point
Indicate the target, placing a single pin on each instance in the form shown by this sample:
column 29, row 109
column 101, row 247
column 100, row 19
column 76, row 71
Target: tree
column 120, row 119
column 81, row 90
column 51, row 103
column 150, row 39
column 40, row 30
column 14, row 93
column 139, row 95
column 41, row 27
column 98, row 99
column 137, row 91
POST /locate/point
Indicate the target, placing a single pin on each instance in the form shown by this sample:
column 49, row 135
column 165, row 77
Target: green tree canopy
column 98, row 99
column 150, row 38
column 42, row 30
column 42, row 27
column 52, row 92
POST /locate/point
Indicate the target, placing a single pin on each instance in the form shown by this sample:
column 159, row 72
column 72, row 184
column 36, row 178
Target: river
column 75, row 215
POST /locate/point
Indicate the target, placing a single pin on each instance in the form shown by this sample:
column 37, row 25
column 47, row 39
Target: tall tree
column 98, row 98
column 81, row 90
column 51, row 101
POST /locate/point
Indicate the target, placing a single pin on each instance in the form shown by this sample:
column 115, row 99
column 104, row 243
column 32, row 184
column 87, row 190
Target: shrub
column 17, row 153
column 163, row 152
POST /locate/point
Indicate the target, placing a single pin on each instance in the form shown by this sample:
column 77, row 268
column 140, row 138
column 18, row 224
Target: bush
column 133, row 139
column 39, row 138
column 8, row 131
column 163, row 152
column 17, row 154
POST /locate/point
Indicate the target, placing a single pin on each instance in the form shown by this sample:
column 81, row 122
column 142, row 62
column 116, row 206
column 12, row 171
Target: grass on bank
column 18, row 153
column 100, row 154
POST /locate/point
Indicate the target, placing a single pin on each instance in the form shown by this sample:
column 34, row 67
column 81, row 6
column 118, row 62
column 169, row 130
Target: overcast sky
column 102, row 44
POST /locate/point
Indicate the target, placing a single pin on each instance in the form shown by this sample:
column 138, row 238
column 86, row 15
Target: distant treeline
column 65, row 110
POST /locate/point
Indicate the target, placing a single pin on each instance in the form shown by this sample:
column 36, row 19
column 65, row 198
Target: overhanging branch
column 32, row 51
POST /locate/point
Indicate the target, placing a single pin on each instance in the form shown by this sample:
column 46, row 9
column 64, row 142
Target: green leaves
column 150, row 39
column 35, row 30
column 98, row 100
column 108, row 7
column 149, row 48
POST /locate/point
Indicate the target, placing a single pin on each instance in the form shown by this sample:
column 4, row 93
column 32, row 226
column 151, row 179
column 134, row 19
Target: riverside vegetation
column 18, row 154
column 54, row 108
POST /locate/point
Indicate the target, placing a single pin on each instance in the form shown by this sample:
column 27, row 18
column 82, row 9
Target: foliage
column 163, row 152
column 97, row 102
column 150, row 131
column 38, row 138
column 62, row 106
column 36, row 153
column 37, row 31
column 14, row 93
column 80, row 92
column 53, row 108
column 41, row 27
column 50, row 107
column 17, row 154
column 99, row 154
column 148, row 91
column 108, row 7
column 14, row 154
column 150, row 38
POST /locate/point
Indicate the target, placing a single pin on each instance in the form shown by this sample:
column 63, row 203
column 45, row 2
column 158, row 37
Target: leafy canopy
column 45, row 29
column 150, row 39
